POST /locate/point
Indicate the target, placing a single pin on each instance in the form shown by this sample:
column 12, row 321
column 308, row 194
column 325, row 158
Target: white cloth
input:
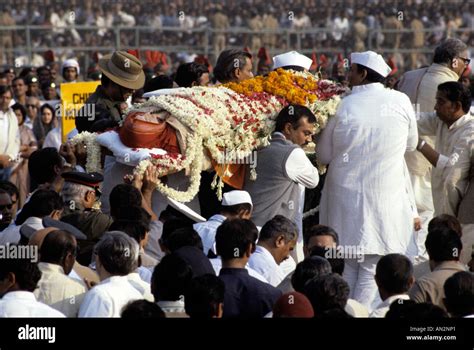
column 356, row 309
column 9, row 134
column 142, row 286
column 367, row 197
column 207, row 232
column 24, row 304
column 450, row 177
column 145, row 274
column 382, row 309
column 10, row 235
column 360, row 278
column 264, row 263
column 109, row 297
column 217, row 266
column 371, row 60
column 53, row 138
column 58, row 290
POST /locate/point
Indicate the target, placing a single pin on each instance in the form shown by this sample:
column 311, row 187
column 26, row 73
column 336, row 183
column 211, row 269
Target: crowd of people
column 392, row 238
column 343, row 26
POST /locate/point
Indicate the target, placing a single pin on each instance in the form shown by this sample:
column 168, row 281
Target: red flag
column 135, row 53
column 314, row 65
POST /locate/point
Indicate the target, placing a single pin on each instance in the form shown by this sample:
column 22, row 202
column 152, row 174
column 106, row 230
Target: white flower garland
column 93, row 150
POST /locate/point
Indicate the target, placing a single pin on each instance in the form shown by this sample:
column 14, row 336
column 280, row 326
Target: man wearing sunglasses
column 80, row 192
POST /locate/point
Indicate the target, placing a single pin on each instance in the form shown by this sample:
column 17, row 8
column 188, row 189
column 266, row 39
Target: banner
column 73, row 97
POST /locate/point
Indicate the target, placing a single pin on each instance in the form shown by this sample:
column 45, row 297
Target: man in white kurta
column 367, row 197
column 453, row 126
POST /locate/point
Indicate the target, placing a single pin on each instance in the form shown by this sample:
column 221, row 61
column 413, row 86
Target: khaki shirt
column 430, row 288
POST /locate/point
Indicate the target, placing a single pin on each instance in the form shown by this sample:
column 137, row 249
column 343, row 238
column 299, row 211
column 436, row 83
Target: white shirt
column 382, row 309
column 450, row 177
column 4, row 123
column 10, row 235
column 264, row 263
column 109, row 297
column 58, row 290
column 217, row 266
column 9, row 134
column 153, row 246
column 367, row 197
column 24, row 304
column 207, row 231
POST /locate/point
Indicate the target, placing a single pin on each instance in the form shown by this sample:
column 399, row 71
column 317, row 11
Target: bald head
column 59, row 247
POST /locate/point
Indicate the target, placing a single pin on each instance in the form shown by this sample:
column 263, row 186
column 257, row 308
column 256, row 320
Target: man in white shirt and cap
column 18, row 279
column 367, row 197
column 235, row 204
column 116, row 262
column 277, row 239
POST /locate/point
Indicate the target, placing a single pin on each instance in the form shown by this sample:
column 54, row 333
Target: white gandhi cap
column 72, row 63
column 236, row 197
column 292, row 58
column 373, row 61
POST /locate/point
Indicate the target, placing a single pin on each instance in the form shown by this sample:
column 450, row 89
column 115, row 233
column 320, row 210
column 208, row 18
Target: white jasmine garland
column 93, row 150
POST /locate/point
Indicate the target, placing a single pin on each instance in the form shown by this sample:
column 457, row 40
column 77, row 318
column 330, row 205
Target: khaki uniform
column 219, row 21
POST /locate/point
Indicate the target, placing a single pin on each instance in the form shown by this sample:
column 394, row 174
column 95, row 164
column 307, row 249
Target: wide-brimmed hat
column 123, row 69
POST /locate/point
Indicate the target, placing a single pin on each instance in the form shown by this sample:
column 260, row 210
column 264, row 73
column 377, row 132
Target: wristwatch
column 420, row 145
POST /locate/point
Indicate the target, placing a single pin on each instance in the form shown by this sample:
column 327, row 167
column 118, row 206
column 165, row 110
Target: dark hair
column 292, row 114
column 457, row 92
column 308, row 269
column 122, row 197
column 48, row 106
column 236, row 209
column 459, row 292
column 445, row 220
column 372, row 76
column 135, row 222
column 105, row 80
column 118, row 253
column 56, row 246
column 411, row 310
column 170, row 226
column 393, row 273
column 41, row 165
column 320, row 230
column 443, row 244
column 182, row 237
column 4, row 89
column 158, row 83
column 202, row 298
column 19, row 78
column 279, row 225
column 227, row 62
column 22, row 109
column 42, row 203
column 234, row 237
column 448, row 50
column 337, row 264
column 27, row 273
column 9, row 187
column 170, row 279
column 188, row 73
column 327, row 292
column 139, row 309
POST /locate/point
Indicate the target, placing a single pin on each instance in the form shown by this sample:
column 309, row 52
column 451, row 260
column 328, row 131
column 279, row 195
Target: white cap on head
column 236, row 197
column 291, row 58
column 373, row 61
column 72, row 63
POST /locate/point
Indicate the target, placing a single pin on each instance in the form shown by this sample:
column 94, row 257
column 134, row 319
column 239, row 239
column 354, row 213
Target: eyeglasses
column 466, row 60
column 7, row 206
